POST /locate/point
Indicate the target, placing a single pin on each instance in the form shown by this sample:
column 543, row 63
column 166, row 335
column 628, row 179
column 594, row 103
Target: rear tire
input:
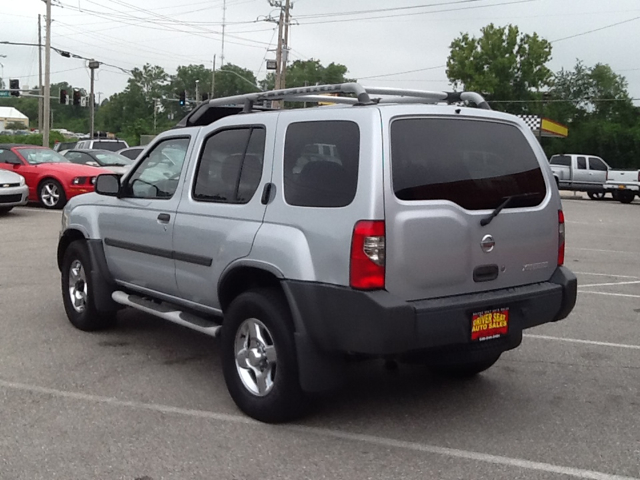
column 4, row 210
column 626, row 197
column 465, row 369
column 259, row 357
column 77, row 291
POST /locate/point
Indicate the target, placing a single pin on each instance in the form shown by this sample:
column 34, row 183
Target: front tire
column 51, row 194
column 259, row 357
column 77, row 291
column 4, row 210
column 596, row 195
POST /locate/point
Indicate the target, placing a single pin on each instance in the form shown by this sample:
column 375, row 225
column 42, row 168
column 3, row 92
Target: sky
column 399, row 43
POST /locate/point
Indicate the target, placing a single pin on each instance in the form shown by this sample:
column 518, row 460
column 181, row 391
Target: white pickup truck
column 580, row 173
column 623, row 184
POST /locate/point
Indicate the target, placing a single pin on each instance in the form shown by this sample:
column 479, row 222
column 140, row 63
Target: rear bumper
column 340, row 319
column 622, row 187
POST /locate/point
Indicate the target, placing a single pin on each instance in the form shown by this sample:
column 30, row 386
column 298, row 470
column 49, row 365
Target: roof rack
column 214, row 109
column 362, row 96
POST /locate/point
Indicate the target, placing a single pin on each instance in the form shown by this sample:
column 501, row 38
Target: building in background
column 10, row 115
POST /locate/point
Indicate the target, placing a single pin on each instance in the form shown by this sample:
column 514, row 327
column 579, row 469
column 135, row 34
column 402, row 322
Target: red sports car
column 51, row 178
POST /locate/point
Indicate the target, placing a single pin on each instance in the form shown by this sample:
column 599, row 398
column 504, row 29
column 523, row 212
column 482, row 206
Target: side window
column 582, row 163
column 321, row 177
column 8, row 155
column 597, row 164
column 159, row 173
column 230, row 166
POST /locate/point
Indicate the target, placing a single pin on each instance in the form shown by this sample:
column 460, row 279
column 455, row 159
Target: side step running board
column 168, row 312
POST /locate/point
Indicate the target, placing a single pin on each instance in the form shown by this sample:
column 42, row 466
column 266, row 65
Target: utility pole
column 285, row 47
column 224, row 24
column 40, row 103
column 279, row 52
column 93, row 65
column 47, row 80
column 213, row 77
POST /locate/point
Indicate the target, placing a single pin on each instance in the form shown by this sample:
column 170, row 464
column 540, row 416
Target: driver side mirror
column 108, row 184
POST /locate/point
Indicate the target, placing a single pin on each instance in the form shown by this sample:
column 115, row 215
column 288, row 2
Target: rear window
column 563, row 160
column 475, row 164
column 111, row 146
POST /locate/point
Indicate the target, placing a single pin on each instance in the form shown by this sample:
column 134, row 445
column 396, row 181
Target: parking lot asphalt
column 148, row 401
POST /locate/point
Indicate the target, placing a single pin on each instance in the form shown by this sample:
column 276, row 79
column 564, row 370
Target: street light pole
column 47, row 80
column 197, row 91
column 92, row 98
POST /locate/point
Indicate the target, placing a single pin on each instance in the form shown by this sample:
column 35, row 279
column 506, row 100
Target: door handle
column 164, row 218
column 266, row 193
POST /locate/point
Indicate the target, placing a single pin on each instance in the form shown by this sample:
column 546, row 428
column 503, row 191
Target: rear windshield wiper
column 506, row 201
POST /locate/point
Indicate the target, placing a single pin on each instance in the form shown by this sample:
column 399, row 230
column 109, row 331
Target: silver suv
column 418, row 232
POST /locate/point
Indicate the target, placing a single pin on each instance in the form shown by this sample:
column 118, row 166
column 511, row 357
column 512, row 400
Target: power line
column 379, row 10
column 401, row 73
column 595, row 30
column 385, row 17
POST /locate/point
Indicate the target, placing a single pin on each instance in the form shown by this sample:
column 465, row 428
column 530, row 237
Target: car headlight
column 79, row 181
column 22, row 181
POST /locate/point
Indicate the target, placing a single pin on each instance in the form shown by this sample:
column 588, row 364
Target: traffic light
column 14, row 84
column 77, row 96
column 183, row 98
column 63, row 97
column 205, row 97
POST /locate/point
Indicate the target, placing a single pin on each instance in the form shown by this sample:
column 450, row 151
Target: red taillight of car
column 368, row 255
column 561, row 238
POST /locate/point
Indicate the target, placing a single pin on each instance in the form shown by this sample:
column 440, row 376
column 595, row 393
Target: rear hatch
column 445, row 176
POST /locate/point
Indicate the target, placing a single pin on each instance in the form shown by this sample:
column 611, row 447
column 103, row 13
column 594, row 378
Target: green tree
column 502, row 64
column 234, row 80
column 309, row 72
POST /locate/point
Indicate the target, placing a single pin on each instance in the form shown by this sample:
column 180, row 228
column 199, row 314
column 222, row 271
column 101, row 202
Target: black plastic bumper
column 340, row 319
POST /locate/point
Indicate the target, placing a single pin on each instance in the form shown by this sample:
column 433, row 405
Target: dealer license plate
column 489, row 324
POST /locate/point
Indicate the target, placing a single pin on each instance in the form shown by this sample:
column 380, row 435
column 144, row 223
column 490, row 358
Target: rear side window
column 582, row 163
column 475, row 164
column 321, row 163
column 563, row 160
column 230, row 167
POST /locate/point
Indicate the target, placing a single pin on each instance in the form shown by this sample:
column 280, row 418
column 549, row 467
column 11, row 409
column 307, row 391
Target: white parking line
column 325, row 432
column 605, row 275
column 613, row 294
column 588, row 342
column 609, row 284
column 600, row 250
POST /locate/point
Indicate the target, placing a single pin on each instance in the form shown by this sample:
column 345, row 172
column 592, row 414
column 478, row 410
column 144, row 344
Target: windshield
column 36, row 156
column 112, row 159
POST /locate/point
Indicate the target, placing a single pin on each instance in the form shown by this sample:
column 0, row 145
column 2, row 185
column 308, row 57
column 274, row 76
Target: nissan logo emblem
column 487, row 243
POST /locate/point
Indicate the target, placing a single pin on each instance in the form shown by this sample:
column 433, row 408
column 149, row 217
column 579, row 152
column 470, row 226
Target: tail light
column 561, row 236
column 367, row 255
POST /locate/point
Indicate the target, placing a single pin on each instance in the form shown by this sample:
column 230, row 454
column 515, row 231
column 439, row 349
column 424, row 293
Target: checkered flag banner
column 532, row 121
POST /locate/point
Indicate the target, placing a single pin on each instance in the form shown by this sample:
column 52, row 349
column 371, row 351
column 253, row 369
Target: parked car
column 430, row 234
column 61, row 146
column 13, row 188
column 580, row 173
column 623, row 185
column 102, row 144
column 131, row 152
column 51, row 178
column 111, row 161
